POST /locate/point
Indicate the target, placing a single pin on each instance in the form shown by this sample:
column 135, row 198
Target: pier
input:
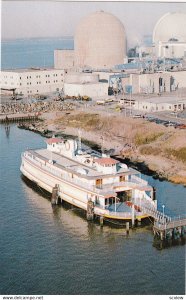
column 165, row 227
column 173, row 229
column 18, row 117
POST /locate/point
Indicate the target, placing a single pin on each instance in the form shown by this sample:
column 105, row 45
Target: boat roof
column 106, row 161
column 53, row 140
column 75, row 167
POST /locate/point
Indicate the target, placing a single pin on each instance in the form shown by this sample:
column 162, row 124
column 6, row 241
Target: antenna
column 79, row 140
column 102, row 144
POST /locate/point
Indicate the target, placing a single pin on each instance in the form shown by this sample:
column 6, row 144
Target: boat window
column 98, row 182
column 122, row 178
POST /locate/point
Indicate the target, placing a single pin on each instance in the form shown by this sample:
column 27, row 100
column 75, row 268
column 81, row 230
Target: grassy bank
column 162, row 149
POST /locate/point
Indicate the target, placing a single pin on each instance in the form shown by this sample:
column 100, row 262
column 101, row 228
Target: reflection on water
column 54, row 250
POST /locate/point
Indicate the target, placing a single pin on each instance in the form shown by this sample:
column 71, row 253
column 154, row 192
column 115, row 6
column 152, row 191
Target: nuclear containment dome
column 169, row 35
column 172, row 26
column 100, row 41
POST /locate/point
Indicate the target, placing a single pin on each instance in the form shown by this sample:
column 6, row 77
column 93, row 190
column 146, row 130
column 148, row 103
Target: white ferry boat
column 94, row 182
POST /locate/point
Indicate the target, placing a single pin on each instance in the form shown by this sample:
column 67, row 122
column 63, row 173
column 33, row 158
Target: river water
column 47, row 250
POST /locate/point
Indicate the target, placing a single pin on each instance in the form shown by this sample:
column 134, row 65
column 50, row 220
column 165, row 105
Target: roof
column 53, row 140
column 32, row 69
column 162, row 100
column 106, row 161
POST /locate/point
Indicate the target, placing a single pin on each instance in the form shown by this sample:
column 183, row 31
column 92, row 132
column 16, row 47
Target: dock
column 164, row 227
column 173, row 229
column 18, row 118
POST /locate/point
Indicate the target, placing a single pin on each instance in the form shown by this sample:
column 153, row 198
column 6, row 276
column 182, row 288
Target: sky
column 26, row 19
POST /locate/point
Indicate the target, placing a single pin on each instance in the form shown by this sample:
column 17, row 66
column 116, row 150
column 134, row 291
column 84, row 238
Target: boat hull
column 69, row 193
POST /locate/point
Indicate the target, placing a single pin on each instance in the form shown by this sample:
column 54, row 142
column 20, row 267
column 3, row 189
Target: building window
column 19, row 77
column 20, row 83
column 169, row 107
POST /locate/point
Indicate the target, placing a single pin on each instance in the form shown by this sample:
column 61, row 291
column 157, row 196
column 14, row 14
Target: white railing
column 61, row 175
column 138, row 180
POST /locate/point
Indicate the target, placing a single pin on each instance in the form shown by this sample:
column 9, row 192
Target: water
column 56, row 251
column 26, row 53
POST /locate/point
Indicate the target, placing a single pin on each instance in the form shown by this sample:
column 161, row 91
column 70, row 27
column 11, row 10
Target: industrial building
column 84, row 84
column 151, row 105
column 169, row 35
column 152, row 83
column 97, row 66
column 31, row 81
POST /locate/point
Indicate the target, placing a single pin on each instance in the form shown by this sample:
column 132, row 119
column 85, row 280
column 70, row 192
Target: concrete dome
column 170, row 27
column 100, row 41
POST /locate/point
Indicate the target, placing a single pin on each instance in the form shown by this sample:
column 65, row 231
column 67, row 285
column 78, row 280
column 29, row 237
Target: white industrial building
column 31, row 81
column 84, row 84
column 152, row 105
column 169, row 35
column 155, row 83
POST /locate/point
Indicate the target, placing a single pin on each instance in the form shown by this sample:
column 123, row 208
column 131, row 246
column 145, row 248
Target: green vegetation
column 141, row 139
column 179, row 153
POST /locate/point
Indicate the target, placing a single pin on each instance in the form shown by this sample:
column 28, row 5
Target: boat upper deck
column 75, row 167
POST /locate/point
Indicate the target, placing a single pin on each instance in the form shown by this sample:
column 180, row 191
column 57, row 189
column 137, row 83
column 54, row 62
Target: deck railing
column 54, row 170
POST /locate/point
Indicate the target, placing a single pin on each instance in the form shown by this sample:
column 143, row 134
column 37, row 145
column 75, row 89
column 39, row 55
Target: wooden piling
column 127, row 228
column 139, row 222
column 54, row 198
column 90, row 210
column 133, row 215
column 101, row 221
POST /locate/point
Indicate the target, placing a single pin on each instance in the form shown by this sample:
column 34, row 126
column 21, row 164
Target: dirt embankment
column 162, row 149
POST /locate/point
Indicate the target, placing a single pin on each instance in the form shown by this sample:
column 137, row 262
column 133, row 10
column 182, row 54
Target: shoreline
column 95, row 144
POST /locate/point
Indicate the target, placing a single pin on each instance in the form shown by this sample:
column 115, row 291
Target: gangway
column 164, row 225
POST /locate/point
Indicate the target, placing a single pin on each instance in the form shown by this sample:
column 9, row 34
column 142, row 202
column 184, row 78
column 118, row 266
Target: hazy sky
column 22, row 19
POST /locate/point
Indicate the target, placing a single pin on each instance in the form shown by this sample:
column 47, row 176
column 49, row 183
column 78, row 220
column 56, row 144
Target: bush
column 149, row 150
column 179, row 153
column 146, row 139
